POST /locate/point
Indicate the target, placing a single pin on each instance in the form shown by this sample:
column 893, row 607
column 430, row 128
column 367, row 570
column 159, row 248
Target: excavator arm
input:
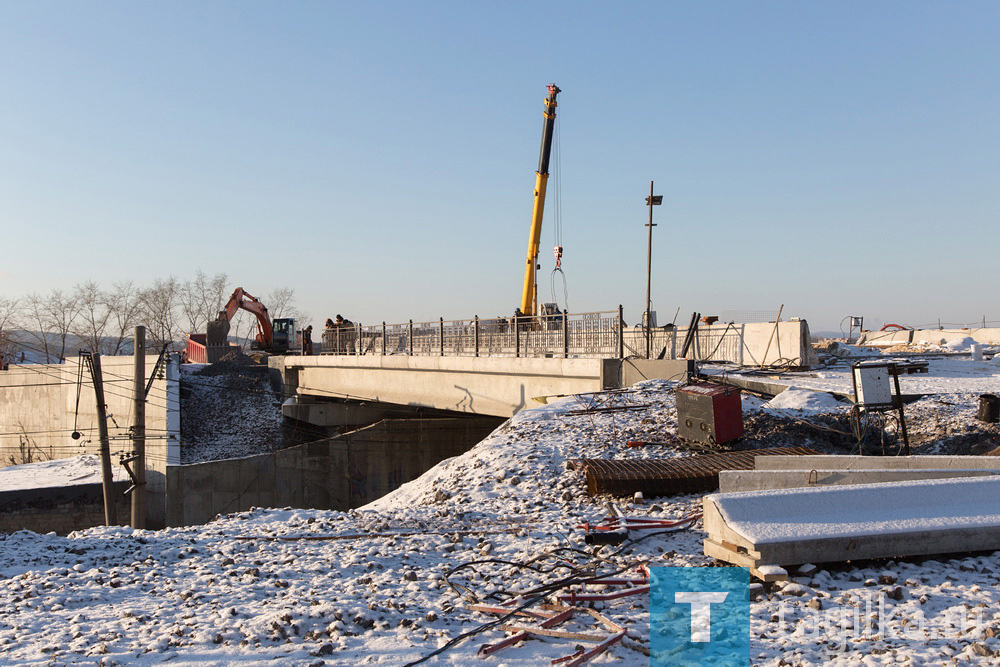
column 246, row 301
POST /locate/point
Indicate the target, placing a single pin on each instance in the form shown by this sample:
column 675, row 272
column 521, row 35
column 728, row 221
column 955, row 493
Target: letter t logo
column 701, row 611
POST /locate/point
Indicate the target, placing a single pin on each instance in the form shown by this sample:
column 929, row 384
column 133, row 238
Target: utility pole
column 110, row 515
column 139, row 430
column 651, row 201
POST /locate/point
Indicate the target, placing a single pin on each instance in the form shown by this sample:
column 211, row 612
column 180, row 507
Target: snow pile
column 845, row 350
column 296, row 587
column 379, row 585
column 228, row 411
column 960, row 344
column 804, row 401
column 85, row 469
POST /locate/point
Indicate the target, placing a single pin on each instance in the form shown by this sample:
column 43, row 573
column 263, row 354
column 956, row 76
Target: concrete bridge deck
column 497, row 386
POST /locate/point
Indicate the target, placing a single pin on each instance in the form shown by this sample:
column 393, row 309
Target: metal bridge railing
column 563, row 335
column 596, row 335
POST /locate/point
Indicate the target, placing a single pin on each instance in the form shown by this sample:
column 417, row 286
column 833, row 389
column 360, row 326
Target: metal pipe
column 565, row 332
column 621, row 332
column 649, row 272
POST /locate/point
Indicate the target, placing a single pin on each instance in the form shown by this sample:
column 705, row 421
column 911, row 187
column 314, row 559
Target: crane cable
column 557, row 223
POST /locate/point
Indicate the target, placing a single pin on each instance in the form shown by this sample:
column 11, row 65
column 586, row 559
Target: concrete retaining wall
column 346, row 471
column 40, row 403
column 747, row 344
column 61, row 510
column 986, row 336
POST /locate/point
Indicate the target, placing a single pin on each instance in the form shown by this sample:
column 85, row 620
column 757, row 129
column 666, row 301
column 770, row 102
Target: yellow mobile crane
column 529, row 297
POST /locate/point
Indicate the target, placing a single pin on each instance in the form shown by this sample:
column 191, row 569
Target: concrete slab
column 820, row 525
column 731, row 481
column 832, row 462
column 986, row 336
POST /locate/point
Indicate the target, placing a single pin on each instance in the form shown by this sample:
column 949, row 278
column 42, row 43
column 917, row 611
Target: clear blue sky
column 839, row 158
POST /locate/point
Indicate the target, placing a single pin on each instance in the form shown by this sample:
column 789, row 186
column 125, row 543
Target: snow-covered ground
column 389, row 583
column 85, row 469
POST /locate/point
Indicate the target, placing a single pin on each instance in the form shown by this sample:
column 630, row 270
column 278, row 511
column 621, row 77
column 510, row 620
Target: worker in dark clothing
column 520, row 320
column 307, row 343
column 345, row 335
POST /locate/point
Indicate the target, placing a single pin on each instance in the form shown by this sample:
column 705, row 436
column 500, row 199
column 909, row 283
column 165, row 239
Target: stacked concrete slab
column 785, row 472
column 768, row 530
column 813, row 509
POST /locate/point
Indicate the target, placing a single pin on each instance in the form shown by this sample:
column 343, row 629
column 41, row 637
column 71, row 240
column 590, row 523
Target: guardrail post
column 517, row 337
column 441, row 329
column 475, row 333
column 410, row 338
column 621, row 332
column 565, row 328
column 383, row 338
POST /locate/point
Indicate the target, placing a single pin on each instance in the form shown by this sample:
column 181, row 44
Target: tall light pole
column 651, row 201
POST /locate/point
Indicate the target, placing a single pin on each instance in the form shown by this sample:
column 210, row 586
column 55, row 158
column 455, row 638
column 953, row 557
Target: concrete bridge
column 492, row 367
column 347, row 389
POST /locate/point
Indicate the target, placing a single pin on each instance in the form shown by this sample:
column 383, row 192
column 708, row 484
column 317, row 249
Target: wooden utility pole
column 110, row 515
column 139, row 430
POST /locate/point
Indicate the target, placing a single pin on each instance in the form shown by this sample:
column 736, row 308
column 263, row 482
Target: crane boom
column 529, row 296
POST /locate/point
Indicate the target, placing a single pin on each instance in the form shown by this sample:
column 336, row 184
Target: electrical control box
column 872, row 385
column 710, row 413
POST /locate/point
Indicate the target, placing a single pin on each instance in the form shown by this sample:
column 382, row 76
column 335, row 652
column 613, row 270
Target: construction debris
column 549, row 616
column 664, row 477
column 615, row 528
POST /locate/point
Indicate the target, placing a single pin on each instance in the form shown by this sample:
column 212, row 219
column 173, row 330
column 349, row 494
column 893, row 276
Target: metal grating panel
column 663, row 477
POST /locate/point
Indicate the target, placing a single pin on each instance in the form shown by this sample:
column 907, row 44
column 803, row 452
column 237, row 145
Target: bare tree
column 8, row 316
column 124, row 305
column 63, row 310
column 92, row 324
column 35, row 323
column 160, row 307
column 281, row 303
column 49, row 321
column 216, row 295
column 201, row 299
column 243, row 327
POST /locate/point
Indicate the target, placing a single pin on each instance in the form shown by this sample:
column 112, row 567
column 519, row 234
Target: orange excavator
column 277, row 337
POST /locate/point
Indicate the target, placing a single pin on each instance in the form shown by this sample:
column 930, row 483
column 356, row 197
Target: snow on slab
column 865, row 509
column 84, row 469
column 804, row 401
